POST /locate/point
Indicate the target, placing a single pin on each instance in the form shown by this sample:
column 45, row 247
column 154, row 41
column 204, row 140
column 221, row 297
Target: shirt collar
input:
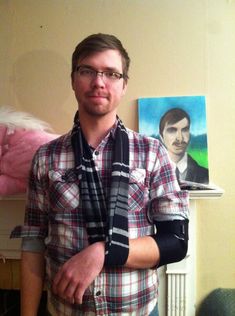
column 182, row 164
column 109, row 136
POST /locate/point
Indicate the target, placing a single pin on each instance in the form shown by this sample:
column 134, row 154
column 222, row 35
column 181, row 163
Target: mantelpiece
column 12, row 197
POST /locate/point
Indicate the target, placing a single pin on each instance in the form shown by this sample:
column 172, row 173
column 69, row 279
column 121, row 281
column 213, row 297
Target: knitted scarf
column 106, row 218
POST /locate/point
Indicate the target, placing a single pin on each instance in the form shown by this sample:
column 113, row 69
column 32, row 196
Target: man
column 91, row 195
column 174, row 129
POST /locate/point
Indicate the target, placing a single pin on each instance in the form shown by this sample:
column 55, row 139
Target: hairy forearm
column 32, row 278
column 143, row 253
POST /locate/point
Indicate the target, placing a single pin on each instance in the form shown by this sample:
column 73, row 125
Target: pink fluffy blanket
column 21, row 135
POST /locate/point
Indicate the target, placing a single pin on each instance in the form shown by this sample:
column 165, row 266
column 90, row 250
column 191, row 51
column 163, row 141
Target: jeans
column 154, row 311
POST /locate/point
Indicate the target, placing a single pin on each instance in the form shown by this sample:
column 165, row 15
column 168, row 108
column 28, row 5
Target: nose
column 98, row 80
column 179, row 136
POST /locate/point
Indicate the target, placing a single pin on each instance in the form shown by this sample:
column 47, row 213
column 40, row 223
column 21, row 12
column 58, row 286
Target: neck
column 176, row 158
column 95, row 128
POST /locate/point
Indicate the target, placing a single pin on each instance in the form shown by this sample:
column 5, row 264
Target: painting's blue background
column 150, row 111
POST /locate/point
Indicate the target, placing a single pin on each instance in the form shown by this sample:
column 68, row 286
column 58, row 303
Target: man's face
column 176, row 137
column 98, row 96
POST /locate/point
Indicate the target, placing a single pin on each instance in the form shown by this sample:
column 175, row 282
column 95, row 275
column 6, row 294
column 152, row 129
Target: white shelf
column 215, row 192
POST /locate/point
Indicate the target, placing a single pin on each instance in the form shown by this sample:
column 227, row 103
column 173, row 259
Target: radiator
column 176, row 292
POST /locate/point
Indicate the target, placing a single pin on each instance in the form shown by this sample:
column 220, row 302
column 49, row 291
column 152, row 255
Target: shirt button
column 98, row 293
column 96, row 153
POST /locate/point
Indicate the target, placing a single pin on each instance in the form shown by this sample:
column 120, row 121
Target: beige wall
column 183, row 47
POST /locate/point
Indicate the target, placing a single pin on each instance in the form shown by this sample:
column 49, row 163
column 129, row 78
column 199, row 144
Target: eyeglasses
column 88, row 73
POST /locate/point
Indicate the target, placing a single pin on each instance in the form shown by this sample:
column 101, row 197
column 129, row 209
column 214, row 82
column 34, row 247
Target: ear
column 124, row 88
column 72, row 81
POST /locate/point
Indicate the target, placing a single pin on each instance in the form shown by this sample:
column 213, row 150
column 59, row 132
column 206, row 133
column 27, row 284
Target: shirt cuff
column 32, row 244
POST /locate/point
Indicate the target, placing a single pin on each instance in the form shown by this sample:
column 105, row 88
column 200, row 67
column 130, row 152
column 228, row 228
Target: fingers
column 76, row 275
column 72, row 294
column 78, row 295
column 68, row 288
column 68, row 293
column 59, row 283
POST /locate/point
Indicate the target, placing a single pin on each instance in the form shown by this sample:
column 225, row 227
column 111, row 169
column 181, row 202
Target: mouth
column 97, row 93
column 180, row 146
column 97, row 96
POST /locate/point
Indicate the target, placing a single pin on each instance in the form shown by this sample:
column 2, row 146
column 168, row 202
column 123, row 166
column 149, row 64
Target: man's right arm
column 32, row 281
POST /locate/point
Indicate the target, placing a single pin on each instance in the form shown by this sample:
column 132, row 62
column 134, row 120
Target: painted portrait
column 180, row 124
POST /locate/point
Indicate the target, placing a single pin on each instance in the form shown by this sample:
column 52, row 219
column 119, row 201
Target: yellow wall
column 177, row 48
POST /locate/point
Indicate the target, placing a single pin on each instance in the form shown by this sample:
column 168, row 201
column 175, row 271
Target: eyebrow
column 172, row 128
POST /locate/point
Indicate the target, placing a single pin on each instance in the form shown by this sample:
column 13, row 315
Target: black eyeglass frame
column 102, row 73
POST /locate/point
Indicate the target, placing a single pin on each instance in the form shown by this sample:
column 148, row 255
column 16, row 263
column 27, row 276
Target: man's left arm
column 143, row 253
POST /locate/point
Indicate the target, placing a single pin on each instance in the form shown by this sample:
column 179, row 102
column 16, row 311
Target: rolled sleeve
column 173, row 206
column 25, row 231
column 36, row 210
column 168, row 201
column 33, row 245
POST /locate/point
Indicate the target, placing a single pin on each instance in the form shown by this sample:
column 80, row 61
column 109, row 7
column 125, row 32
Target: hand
column 74, row 277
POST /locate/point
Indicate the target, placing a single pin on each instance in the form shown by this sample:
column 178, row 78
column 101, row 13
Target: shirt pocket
column 137, row 190
column 64, row 190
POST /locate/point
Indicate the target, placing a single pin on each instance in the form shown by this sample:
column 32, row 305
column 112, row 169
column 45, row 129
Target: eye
column 171, row 130
column 185, row 129
column 112, row 75
column 86, row 72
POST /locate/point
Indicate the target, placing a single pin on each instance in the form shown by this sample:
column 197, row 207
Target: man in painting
column 174, row 129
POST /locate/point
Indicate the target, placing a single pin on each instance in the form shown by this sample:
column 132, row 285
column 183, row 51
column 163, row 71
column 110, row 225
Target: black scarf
column 105, row 221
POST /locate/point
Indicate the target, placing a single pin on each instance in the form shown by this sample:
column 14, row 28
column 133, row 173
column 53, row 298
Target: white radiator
column 177, row 281
column 176, row 291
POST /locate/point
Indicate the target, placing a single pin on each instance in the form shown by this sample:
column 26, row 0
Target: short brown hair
column 98, row 43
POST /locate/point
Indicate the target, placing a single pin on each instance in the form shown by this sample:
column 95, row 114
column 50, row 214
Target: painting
column 180, row 124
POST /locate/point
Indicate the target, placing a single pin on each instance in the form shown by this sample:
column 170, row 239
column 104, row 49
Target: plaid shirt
column 54, row 215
